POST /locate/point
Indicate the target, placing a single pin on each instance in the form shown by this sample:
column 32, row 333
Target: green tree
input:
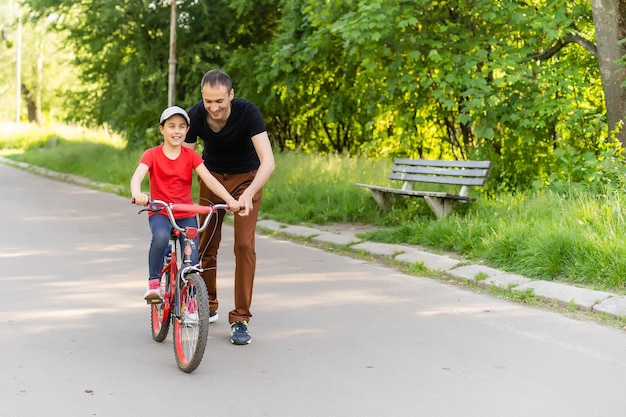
column 429, row 79
column 510, row 81
column 8, row 55
column 45, row 72
column 122, row 51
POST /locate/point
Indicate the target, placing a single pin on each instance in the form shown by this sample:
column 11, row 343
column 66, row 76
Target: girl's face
column 174, row 130
column 216, row 101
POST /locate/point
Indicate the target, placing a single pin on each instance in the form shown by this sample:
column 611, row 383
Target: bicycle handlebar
column 170, row 208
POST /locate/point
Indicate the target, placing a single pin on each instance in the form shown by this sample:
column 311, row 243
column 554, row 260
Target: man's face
column 217, row 101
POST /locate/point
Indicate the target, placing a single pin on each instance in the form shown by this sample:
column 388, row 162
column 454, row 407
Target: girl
column 171, row 167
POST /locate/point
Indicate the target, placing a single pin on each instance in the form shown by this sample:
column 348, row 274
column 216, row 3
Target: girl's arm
column 135, row 185
column 214, row 185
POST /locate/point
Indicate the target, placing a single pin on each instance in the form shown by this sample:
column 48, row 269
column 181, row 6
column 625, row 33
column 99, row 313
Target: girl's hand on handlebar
column 140, row 199
column 244, row 206
column 234, row 206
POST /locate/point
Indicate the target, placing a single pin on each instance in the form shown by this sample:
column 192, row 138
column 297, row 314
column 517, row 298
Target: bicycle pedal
column 152, row 301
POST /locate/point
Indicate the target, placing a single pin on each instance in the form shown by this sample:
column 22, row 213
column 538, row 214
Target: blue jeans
column 161, row 231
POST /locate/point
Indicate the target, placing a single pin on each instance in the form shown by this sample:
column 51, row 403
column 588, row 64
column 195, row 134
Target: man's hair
column 216, row 78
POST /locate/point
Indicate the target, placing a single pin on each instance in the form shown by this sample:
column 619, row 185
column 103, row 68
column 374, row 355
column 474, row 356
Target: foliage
column 46, row 74
column 430, row 80
column 375, row 78
column 122, row 51
column 600, row 172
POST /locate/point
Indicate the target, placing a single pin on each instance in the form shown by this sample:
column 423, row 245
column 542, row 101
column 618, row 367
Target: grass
column 95, row 155
column 576, row 238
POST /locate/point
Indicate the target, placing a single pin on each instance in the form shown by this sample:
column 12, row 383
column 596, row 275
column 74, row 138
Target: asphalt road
column 333, row 336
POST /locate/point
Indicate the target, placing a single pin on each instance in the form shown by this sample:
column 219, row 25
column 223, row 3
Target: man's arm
column 263, row 149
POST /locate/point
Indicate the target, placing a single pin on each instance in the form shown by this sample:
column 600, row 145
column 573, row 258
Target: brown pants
column 244, row 248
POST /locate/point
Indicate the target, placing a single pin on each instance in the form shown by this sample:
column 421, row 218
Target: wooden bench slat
column 441, row 163
column 438, row 180
column 466, row 172
column 414, row 193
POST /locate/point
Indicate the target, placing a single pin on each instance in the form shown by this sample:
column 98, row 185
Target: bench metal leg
column 440, row 206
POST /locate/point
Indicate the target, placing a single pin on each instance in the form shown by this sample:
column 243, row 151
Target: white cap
column 171, row 111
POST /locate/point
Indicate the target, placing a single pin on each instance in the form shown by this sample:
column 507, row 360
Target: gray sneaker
column 239, row 333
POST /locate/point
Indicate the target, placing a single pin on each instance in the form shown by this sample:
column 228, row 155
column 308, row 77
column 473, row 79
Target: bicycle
column 184, row 300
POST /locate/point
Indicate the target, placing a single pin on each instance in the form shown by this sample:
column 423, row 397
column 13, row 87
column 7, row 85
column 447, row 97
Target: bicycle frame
column 182, row 285
column 189, row 233
column 172, row 288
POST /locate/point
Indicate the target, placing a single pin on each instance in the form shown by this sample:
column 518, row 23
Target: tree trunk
column 609, row 19
column 31, row 105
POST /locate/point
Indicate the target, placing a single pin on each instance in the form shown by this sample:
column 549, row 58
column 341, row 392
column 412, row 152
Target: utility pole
column 171, row 85
column 18, row 64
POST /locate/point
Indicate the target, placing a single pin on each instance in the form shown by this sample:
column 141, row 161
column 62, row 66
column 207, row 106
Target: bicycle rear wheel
column 192, row 328
column 160, row 314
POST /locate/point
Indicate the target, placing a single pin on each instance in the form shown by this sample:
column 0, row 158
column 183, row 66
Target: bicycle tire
column 191, row 332
column 160, row 315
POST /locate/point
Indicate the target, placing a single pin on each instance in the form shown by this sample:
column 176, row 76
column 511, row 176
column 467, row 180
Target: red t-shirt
column 171, row 180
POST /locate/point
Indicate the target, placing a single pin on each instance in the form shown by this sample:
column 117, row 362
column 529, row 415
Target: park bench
column 457, row 173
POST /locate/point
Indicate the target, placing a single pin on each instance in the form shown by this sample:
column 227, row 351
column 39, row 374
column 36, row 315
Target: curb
column 562, row 294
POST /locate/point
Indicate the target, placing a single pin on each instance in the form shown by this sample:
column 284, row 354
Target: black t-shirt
column 230, row 151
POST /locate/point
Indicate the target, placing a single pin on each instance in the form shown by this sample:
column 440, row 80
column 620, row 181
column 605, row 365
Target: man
column 238, row 153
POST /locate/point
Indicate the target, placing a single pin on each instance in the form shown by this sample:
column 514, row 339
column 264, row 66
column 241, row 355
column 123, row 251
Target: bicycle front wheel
column 192, row 327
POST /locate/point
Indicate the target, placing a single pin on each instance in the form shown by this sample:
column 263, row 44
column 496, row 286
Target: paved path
column 333, row 336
